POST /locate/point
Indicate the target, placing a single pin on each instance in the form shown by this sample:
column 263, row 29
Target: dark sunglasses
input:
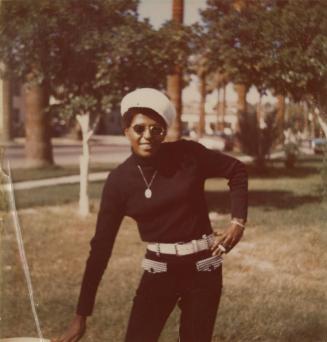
column 155, row 130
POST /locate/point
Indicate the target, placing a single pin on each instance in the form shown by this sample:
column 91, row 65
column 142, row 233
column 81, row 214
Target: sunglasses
column 155, row 130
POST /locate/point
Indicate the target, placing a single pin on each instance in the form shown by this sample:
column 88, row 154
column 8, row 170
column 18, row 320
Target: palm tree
column 240, row 88
column 203, row 92
column 5, row 127
column 175, row 80
column 220, row 83
column 38, row 149
column 280, row 113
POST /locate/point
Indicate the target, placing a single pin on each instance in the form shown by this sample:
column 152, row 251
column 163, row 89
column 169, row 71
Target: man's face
column 145, row 135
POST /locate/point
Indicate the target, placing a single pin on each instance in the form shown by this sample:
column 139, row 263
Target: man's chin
column 146, row 152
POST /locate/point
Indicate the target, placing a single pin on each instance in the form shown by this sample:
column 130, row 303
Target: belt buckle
column 176, row 245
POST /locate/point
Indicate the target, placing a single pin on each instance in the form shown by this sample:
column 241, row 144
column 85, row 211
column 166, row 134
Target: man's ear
column 126, row 132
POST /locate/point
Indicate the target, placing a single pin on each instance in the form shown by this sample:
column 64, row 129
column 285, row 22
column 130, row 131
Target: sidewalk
column 99, row 176
column 62, row 141
column 95, row 176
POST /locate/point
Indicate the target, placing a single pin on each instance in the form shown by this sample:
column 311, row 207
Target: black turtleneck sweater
column 177, row 210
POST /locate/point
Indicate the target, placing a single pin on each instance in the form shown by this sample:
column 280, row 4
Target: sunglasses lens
column 154, row 130
column 139, row 129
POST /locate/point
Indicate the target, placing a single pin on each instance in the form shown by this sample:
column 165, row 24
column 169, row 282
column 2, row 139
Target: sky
column 159, row 11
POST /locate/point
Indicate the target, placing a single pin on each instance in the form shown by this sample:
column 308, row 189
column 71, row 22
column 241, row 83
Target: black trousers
column 197, row 294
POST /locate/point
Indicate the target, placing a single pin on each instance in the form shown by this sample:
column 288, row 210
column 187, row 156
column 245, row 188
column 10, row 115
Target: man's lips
column 146, row 146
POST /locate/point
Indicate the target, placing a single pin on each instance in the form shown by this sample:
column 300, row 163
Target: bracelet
column 238, row 223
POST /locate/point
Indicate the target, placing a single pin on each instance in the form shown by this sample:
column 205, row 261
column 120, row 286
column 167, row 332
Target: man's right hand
column 75, row 330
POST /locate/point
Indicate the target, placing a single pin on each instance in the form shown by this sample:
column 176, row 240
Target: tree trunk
column 323, row 124
column 175, row 80
column 174, row 90
column 202, row 113
column 241, row 90
column 239, row 5
column 305, row 111
column 313, row 124
column 322, row 120
column 178, row 11
column 260, row 159
column 38, row 146
column 280, row 113
column 84, row 206
column 218, row 123
column 258, row 114
column 223, row 112
column 5, row 125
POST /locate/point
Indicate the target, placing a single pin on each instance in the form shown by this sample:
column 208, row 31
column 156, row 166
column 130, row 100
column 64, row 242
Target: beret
column 149, row 98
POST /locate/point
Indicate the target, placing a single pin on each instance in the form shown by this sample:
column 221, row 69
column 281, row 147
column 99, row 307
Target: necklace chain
column 148, row 185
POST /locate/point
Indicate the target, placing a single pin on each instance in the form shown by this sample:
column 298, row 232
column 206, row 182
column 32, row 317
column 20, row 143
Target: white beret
column 149, row 98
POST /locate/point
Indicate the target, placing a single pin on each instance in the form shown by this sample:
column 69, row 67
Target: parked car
column 218, row 141
column 319, row 145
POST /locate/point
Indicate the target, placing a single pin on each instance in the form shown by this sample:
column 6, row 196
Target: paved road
column 68, row 154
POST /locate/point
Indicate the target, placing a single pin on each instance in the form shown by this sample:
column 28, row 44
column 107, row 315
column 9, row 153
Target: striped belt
column 204, row 265
column 183, row 248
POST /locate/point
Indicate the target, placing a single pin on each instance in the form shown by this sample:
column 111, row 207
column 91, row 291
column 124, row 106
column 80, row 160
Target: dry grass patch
column 274, row 281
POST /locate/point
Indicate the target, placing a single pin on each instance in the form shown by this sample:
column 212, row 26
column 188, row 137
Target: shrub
column 257, row 139
column 324, row 176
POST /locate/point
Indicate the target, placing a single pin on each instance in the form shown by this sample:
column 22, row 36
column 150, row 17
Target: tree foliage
column 299, row 48
column 273, row 44
column 235, row 41
column 95, row 50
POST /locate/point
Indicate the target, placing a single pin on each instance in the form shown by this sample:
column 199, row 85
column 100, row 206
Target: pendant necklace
column 147, row 192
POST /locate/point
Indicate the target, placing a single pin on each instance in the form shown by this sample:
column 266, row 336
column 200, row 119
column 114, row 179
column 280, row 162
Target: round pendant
column 148, row 193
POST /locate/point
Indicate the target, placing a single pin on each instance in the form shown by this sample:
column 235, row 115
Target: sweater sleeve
column 217, row 164
column 109, row 219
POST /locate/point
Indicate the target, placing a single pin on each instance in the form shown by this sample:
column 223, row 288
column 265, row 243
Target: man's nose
column 146, row 133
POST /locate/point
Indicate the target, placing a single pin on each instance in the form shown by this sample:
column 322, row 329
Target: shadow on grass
column 279, row 199
column 55, row 195
column 217, row 200
column 28, row 174
column 310, row 330
column 277, row 171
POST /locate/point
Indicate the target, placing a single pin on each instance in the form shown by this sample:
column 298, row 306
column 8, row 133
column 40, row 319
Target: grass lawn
column 25, row 174
column 274, row 280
